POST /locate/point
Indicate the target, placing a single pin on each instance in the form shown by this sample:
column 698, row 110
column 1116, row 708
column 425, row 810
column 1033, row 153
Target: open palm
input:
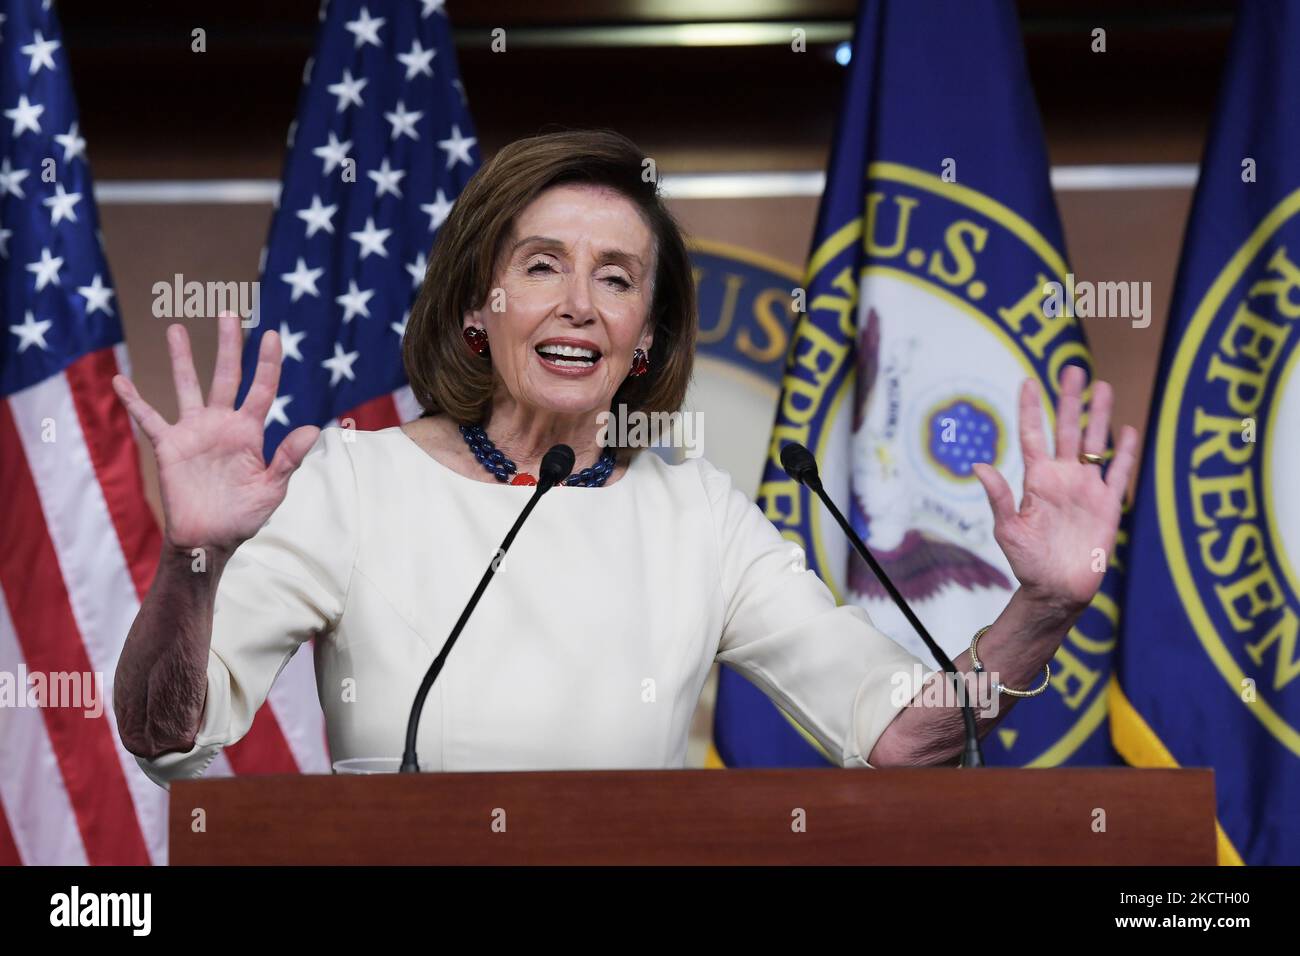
column 1065, row 527
column 217, row 489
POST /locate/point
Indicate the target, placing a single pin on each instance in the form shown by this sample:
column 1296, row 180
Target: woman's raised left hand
column 1066, row 524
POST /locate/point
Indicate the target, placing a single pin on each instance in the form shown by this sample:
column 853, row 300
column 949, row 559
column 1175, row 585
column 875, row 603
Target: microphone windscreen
column 557, row 464
column 798, row 462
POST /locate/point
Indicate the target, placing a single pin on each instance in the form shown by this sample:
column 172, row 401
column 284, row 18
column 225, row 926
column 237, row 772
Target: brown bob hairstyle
column 444, row 374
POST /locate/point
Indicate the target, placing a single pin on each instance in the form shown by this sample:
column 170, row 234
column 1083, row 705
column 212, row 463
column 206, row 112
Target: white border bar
column 166, row 192
column 736, row 185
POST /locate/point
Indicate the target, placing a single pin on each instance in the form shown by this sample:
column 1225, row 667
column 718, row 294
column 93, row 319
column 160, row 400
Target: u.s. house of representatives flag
column 925, row 309
column 1209, row 666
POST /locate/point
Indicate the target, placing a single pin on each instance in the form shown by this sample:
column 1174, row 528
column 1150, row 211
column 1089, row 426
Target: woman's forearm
column 1013, row 650
column 161, row 683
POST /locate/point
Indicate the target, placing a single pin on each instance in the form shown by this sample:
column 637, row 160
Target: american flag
column 80, row 545
column 382, row 146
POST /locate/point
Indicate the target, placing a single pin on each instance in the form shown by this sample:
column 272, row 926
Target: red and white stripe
column 80, row 550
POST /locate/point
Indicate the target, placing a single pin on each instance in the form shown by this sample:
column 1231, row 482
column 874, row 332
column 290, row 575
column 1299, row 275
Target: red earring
column 476, row 339
column 640, row 363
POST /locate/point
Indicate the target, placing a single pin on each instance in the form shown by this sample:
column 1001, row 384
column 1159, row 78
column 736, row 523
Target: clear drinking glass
column 367, row 765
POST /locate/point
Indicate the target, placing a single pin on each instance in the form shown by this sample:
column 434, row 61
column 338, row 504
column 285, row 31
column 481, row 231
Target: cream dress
column 588, row 650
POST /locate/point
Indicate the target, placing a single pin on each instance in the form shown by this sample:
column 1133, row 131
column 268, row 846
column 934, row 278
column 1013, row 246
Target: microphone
column 800, row 465
column 557, row 464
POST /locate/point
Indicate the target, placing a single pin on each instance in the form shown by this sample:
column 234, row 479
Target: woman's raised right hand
column 217, row 489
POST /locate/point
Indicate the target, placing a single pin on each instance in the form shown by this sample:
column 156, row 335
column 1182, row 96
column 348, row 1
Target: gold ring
column 1088, row 458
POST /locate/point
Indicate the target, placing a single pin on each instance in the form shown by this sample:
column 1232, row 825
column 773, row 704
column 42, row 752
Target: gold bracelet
column 998, row 685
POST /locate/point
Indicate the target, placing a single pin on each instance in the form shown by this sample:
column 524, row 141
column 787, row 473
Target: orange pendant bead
column 523, row 479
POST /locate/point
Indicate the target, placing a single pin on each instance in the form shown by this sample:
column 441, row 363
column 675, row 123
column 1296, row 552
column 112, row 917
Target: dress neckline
column 457, row 476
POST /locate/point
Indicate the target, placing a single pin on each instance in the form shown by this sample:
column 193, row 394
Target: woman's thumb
column 292, row 451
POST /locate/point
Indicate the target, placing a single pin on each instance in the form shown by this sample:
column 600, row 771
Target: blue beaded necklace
column 495, row 461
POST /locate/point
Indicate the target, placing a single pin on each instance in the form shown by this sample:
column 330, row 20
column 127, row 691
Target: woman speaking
column 559, row 288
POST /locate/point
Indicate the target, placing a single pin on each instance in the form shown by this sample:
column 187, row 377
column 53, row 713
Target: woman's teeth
column 568, row 356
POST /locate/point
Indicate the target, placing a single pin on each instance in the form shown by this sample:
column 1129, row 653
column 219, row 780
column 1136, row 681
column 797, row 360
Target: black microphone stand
column 800, row 465
column 556, row 464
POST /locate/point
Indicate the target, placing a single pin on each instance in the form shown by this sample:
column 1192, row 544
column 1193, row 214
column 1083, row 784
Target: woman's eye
column 540, row 265
column 620, row 281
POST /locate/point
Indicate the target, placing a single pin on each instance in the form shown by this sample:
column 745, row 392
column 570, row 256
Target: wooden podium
column 684, row 817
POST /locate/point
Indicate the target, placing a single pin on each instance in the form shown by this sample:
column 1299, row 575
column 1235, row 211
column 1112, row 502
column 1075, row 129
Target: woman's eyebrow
column 545, row 241
column 629, row 261
column 626, row 259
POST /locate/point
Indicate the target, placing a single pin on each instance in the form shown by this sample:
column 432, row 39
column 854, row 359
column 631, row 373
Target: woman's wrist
column 192, row 559
column 1026, row 635
column 1052, row 612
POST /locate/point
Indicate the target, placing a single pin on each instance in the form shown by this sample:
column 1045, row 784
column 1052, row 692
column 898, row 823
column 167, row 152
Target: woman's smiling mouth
column 567, row 357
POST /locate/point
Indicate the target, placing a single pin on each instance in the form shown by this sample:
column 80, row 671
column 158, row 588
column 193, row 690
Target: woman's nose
column 577, row 306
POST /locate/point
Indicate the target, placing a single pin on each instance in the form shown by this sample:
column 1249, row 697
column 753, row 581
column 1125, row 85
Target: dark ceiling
column 152, row 109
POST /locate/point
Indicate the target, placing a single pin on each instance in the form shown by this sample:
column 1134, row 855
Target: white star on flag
column 400, row 327
column 303, row 280
column 348, row 90
column 438, row 210
column 365, row 29
column 404, row 122
column 457, row 147
column 354, row 301
column 432, row 6
column 372, row 239
column 31, row 332
column 333, row 153
column 417, row 269
column 47, row 269
column 276, row 411
column 61, row 205
column 4, row 241
column 26, row 115
column 318, row 217
column 387, row 179
column 289, row 344
column 72, row 143
column 10, row 178
column 39, row 50
column 340, row 366
column 97, row 295
column 417, row 60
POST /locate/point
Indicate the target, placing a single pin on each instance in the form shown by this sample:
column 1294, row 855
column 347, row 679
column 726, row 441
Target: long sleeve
column 827, row 666
column 280, row 588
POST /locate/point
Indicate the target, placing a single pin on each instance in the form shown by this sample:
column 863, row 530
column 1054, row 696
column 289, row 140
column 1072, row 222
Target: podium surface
column 1111, row 816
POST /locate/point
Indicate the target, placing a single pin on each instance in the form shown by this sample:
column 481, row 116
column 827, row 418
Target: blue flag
column 1209, row 667
column 926, row 306
column 382, row 146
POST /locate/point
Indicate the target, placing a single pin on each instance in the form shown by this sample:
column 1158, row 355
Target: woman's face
column 570, row 300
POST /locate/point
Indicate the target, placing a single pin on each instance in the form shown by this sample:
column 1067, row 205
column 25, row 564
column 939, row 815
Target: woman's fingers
column 188, row 394
column 1095, row 438
column 1069, row 410
column 151, row 423
column 266, row 378
column 1121, row 466
column 1001, row 499
column 1033, row 444
column 225, row 376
